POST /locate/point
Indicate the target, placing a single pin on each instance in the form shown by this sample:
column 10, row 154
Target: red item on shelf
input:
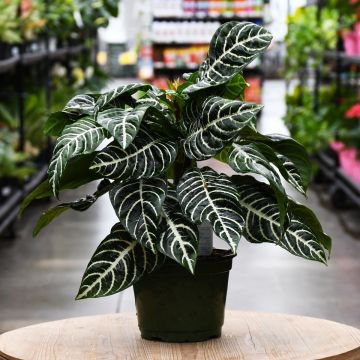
column 350, row 43
column 350, row 164
column 353, row 112
column 253, row 92
column 25, row 7
column 348, row 159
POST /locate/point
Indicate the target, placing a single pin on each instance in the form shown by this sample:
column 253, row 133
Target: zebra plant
column 142, row 145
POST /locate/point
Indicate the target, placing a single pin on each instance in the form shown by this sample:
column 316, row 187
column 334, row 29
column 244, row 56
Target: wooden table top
column 246, row 335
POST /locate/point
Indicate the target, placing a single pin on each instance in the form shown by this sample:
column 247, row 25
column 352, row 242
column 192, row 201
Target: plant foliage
column 148, row 166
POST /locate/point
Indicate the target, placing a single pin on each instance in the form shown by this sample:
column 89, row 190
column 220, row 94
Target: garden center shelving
column 182, row 30
column 343, row 70
column 342, row 184
column 16, row 67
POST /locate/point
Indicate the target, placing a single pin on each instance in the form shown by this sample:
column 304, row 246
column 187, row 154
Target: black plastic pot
column 175, row 306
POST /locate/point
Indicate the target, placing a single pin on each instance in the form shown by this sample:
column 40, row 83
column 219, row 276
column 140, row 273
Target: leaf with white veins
column 80, row 105
column 138, row 204
column 147, row 156
column 118, row 262
column 219, row 122
column 247, row 158
column 232, row 47
column 263, row 222
column 206, row 196
column 81, row 137
column 179, row 237
column 122, row 124
column 112, row 95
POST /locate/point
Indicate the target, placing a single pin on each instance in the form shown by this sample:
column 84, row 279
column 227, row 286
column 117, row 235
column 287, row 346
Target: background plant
column 308, row 37
column 9, row 22
column 32, row 19
column 314, row 128
column 156, row 132
column 13, row 164
column 97, row 13
column 60, row 18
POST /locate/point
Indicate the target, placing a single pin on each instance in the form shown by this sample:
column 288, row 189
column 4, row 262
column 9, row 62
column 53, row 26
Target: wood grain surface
column 246, row 335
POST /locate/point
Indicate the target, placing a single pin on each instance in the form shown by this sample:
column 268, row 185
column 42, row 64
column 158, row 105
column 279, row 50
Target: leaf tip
column 79, row 296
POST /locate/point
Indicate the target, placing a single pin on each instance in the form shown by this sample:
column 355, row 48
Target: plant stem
column 182, row 163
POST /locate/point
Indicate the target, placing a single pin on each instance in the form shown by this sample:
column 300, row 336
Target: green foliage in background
column 314, row 129
column 27, row 25
column 60, row 18
column 13, row 164
column 308, row 37
column 98, row 12
column 9, row 22
column 346, row 10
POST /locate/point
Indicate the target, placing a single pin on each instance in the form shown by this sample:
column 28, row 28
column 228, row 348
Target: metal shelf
column 36, row 179
column 74, row 50
column 10, row 204
column 334, row 55
column 9, row 64
column 184, row 68
column 182, row 44
column 344, row 183
column 59, row 54
column 254, row 18
column 33, row 58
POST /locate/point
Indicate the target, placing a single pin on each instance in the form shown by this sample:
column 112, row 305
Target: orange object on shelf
column 253, row 92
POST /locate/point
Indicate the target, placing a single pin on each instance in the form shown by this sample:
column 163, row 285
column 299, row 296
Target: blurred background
column 308, row 80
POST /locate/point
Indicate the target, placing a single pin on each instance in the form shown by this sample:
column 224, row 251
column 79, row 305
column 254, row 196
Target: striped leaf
column 296, row 165
column 138, row 204
column 76, row 174
column 247, row 158
column 159, row 118
column 233, row 46
column 219, row 122
column 179, row 237
column 118, row 92
column 206, row 196
column 122, row 124
column 80, row 105
column 82, row 137
column 262, row 216
column 118, row 262
column 286, row 154
column 56, row 123
column 79, row 205
column 149, row 155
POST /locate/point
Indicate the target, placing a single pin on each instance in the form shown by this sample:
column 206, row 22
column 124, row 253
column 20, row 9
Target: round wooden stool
column 246, row 335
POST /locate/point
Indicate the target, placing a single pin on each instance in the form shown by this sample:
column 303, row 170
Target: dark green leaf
column 81, row 137
column 179, row 237
column 233, row 46
column 78, row 205
column 118, row 262
column 219, row 122
column 149, row 155
column 262, row 217
column 56, row 123
column 206, row 196
column 76, row 174
column 138, row 204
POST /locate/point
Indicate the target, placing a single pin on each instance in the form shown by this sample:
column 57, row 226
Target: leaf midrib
column 179, row 240
column 123, row 253
column 261, row 215
column 231, row 242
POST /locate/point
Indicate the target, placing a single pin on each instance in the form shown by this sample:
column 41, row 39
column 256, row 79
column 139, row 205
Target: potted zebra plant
column 149, row 169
